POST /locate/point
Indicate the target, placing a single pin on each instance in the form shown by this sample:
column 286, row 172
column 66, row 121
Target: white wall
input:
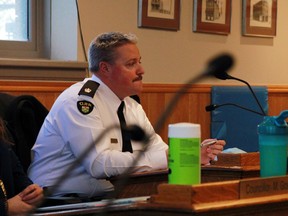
column 64, row 30
column 173, row 57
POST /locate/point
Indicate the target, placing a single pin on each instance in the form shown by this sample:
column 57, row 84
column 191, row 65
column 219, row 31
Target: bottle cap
column 268, row 126
column 184, row 130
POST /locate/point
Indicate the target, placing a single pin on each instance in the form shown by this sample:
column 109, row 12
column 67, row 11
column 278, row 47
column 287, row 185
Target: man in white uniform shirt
column 85, row 110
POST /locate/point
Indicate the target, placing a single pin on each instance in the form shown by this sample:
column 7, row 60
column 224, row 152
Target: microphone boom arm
column 253, row 93
column 214, row 106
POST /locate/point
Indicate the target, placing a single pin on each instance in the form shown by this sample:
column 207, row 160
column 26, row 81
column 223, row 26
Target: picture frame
column 159, row 14
column 211, row 16
column 259, row 18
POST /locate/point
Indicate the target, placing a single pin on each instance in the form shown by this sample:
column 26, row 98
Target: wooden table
column 141, row 184
column 145, row 184
column 262, row 206
column 215, row 173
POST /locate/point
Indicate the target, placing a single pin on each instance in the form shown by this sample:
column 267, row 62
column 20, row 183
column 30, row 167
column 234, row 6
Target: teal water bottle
column 273, row 142
column 184, row 154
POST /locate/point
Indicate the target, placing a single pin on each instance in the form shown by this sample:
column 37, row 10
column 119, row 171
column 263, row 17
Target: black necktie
column 126, row 141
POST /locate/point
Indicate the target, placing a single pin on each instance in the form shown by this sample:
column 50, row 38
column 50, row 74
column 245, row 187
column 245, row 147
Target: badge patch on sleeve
column 85, row 107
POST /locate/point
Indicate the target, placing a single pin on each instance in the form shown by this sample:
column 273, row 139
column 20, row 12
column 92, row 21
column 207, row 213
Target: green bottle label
column 184, row 161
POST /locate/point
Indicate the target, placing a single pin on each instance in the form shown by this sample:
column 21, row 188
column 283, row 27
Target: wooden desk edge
column 231, row 168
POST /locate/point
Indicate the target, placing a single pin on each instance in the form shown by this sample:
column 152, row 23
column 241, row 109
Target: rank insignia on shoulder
column 85, row 107
column 89, row 88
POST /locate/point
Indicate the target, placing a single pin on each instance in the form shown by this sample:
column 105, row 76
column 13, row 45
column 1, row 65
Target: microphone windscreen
column 219, row 66
column 136, row 133
column 210, row 107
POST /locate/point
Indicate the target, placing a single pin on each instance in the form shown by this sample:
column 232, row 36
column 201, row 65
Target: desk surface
column 271, row 205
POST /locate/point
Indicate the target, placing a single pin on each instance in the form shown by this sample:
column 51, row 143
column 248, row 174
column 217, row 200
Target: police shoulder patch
column 85, row 107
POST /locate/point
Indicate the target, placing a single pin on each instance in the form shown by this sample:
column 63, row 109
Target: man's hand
column 209, row 152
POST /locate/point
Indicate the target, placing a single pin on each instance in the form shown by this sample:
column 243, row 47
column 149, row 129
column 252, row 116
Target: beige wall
column 173, row 57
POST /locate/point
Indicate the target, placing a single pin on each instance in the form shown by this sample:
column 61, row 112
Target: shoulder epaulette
column 89, row 88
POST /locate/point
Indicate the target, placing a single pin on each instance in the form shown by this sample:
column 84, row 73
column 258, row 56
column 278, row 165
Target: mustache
column 139, row 78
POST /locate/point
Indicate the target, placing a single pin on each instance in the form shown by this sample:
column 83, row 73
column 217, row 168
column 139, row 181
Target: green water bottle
column 273, row 142
column 184, row 154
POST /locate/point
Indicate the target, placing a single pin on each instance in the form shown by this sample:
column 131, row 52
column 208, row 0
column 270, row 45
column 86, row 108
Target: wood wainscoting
column 154, row 99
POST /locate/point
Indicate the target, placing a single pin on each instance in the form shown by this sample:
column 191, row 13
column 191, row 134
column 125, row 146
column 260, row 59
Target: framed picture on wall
column 159, row 14
column 210, row 16
column 259, row 18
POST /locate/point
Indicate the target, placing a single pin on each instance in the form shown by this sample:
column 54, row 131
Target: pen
column 208, row 143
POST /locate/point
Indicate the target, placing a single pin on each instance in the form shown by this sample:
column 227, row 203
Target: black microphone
column 212, row 107
column 223, row 76
column 137, row 133
column 219, row 64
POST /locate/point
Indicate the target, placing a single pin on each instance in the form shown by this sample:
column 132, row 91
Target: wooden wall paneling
column 45, row 91
column 154, row 99
column 178, row 114
column 197, row 112
column 277, row 102
column 154, row 104
column 277, row 99
column 189, row 108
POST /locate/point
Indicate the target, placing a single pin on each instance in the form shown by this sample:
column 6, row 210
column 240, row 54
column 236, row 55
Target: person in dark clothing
column 18, row 194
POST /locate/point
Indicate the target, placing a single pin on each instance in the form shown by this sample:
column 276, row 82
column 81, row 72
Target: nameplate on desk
column 258, row 187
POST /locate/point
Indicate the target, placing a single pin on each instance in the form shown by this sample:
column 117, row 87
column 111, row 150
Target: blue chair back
column 235, row 125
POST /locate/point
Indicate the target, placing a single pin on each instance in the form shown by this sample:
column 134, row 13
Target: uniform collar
column 112, row 97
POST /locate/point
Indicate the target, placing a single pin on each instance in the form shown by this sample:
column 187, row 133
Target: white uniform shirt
column 66, row 132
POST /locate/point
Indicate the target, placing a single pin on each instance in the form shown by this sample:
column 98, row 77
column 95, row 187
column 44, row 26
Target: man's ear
column 104, row 67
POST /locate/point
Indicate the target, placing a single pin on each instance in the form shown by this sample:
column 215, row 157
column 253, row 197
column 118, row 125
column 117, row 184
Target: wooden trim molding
column 33, row 86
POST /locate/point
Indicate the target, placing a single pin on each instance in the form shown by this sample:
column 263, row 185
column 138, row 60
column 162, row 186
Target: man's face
column 126, row 72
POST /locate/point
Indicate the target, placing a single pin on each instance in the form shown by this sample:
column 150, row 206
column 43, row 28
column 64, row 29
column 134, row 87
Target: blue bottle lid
column 274, row 125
